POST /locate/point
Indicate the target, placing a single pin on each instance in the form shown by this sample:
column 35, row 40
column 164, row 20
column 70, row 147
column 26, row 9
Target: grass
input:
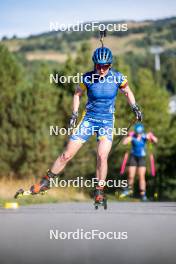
column 117, row 44
column 121, row 45
column 47, row 55
column 10, row 186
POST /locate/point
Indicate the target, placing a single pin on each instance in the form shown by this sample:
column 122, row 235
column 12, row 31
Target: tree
column 10, row 81
column 26, row 113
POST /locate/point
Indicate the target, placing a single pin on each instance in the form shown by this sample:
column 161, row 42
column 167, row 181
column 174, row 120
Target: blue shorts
column 89, row 126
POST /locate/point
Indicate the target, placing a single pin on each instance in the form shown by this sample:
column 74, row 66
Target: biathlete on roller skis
column 98, row 114
column 137, row 160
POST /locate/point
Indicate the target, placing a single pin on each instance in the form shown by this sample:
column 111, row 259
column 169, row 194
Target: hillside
column 137, row 39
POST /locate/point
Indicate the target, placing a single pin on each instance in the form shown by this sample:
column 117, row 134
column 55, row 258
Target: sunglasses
column 103, row 66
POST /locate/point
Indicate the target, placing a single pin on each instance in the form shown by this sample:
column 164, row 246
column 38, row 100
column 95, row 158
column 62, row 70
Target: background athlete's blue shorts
column 90, row 126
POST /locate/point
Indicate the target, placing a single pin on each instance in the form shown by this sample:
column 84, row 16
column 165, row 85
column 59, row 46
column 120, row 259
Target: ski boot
column 39, row 188
column 144, row 197
column 128, row 192
column 44, row 184
column 100, row 198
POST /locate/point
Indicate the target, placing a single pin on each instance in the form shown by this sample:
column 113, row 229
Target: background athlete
column 102, row 86
column 137, row 159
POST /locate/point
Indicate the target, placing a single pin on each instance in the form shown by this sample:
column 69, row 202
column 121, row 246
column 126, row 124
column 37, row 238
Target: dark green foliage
column 27, row 111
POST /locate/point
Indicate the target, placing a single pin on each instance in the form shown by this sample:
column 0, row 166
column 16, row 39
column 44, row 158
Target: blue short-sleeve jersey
column 102, row 92
column 138, row 146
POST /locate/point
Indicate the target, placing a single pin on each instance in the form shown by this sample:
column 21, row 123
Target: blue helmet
column 139, row 128
column 102, row 55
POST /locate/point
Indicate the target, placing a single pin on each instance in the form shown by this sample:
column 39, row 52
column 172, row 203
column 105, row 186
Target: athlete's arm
column 131, row 100
column 129, row 94
column 76, row 99
column 127, row 140
column 151, row 137
column 76, row 102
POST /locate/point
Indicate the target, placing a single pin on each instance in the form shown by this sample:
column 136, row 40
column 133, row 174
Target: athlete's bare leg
column 71, row 149
column 103, row 149
column 60, row 163
column 142, row 182
column 131, row 176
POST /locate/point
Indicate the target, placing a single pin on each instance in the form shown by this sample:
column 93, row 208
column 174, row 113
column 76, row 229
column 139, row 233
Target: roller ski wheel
column 19, row 193
column 105, row 204
column 96, row 207
column 101, row 203
column 100, row 199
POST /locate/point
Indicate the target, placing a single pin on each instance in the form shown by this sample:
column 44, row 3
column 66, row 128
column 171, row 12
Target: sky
column 26, row 17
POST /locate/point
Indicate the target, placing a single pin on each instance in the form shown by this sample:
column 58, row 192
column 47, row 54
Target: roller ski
column 100, row 198
column 39, row 188
column 36, row 189
column 144, row 197
column 21, row 193
column 127, row 193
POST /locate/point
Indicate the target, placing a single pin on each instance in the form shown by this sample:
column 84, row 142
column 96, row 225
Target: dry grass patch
column 8, row 188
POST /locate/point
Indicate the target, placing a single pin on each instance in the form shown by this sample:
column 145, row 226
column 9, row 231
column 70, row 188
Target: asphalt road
column 150, row 227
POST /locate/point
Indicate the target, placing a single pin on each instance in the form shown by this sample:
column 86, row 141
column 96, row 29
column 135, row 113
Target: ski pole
column 123, row 166
column 152, row 162
column 128, row 128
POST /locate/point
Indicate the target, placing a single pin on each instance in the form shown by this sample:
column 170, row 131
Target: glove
column 73, row 119
column 136, row 110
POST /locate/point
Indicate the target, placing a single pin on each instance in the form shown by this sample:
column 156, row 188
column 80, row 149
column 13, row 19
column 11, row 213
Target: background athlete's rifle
column 103, row 34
